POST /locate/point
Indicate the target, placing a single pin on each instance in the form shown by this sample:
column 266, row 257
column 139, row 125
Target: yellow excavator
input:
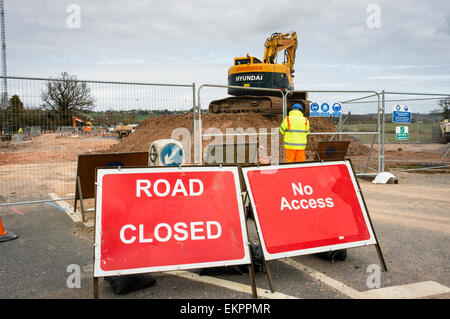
column 249, row 71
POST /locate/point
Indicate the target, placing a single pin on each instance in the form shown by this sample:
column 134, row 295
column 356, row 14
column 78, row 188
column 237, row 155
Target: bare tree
column 65, row 96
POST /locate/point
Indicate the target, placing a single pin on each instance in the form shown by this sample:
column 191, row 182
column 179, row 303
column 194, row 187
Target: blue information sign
column 401, row 117
column 336, row 110
column 171, row 155
column 325, row 107
column 401, row 114
column 314, row 110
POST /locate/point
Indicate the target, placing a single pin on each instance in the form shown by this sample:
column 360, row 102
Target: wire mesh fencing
column 419, row 141
column 46, row 123
column 341, row 131
column 237, row 125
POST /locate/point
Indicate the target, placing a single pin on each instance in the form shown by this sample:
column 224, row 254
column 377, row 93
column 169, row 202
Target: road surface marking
column 76, row 216
column 56, row 206
column 264, row 293
column 17, row 211
column 333, row 283
column 416, row 290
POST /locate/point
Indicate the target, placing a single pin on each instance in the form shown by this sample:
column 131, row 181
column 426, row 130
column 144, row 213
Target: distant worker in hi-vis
column 295, row 129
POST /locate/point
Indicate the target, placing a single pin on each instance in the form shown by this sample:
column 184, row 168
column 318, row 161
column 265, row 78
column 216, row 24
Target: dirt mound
column 152, row 129
column 161, row 127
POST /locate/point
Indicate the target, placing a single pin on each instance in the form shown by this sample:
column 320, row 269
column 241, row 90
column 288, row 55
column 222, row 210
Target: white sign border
column 101, row 172
column 269, row 256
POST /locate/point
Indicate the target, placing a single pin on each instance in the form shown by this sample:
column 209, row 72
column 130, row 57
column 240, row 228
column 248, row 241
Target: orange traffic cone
column 6, row 235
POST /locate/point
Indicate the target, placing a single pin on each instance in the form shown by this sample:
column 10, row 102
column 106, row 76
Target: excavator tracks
column 266, row 105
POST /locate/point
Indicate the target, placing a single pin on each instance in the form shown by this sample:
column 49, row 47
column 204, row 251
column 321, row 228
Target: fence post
column 418, row 130
column 193, row 96
column 383, row 109
column 194, row 124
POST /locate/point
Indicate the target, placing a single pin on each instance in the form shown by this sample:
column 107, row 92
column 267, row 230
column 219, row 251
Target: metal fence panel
column 419, row 148
column 360, row 125
column 39, row 146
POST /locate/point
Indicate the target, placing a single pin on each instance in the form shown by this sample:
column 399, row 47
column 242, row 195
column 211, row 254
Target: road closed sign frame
column 372, row 240
column 103, row 172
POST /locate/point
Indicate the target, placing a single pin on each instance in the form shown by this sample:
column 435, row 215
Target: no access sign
column 307, row 208
column 158, row 219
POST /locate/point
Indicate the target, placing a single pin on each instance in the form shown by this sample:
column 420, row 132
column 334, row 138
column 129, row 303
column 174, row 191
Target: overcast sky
column 196, row 41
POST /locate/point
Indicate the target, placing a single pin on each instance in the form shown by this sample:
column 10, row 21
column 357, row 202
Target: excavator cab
column 246, row 60
column 242, row 61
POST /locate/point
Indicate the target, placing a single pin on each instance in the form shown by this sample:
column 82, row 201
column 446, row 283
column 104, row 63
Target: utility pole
column 4, row 98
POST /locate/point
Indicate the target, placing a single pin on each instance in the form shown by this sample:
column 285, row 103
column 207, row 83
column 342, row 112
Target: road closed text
column 164, row 232
column 162, row 188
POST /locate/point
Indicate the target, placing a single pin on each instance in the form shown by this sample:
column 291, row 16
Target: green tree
column 14, row 114
column 15, row 105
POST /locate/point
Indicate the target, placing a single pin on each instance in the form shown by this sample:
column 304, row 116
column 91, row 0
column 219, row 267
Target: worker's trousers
column 295, row 155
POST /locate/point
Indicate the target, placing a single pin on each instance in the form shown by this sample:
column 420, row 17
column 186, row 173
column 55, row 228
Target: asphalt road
column 411, row 219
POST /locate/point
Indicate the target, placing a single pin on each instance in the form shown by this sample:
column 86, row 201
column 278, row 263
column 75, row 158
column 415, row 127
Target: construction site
column 381, row 156
column 40, row 171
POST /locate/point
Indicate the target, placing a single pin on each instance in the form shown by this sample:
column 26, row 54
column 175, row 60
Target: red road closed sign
column 307, row 208
column 158, row 219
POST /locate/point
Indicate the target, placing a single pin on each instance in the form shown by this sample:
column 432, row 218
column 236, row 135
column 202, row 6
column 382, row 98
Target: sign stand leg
column 269, row 277
column 252, row 278
column 251, row 270
column 377, row 245
column 81, row 198
column 266, row 265
column 76, row 196
column 380, row 256
column 95, row 287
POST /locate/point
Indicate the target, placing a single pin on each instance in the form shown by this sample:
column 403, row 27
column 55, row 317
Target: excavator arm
column 278, row 42
column 250, row 72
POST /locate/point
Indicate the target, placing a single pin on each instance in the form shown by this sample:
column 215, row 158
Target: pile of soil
column 161, row 127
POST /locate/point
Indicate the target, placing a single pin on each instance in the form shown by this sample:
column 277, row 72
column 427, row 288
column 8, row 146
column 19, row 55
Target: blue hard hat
column 297, row 106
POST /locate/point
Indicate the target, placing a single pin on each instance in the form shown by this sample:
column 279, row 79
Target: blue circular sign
column 406, row 108
column 325, row 107
column 314, row 107
column 336, row 107
column 398, row 107
column 171, row 155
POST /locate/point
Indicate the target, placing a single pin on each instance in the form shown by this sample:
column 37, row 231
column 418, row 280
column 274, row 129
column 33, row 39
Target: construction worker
column 295, row 129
